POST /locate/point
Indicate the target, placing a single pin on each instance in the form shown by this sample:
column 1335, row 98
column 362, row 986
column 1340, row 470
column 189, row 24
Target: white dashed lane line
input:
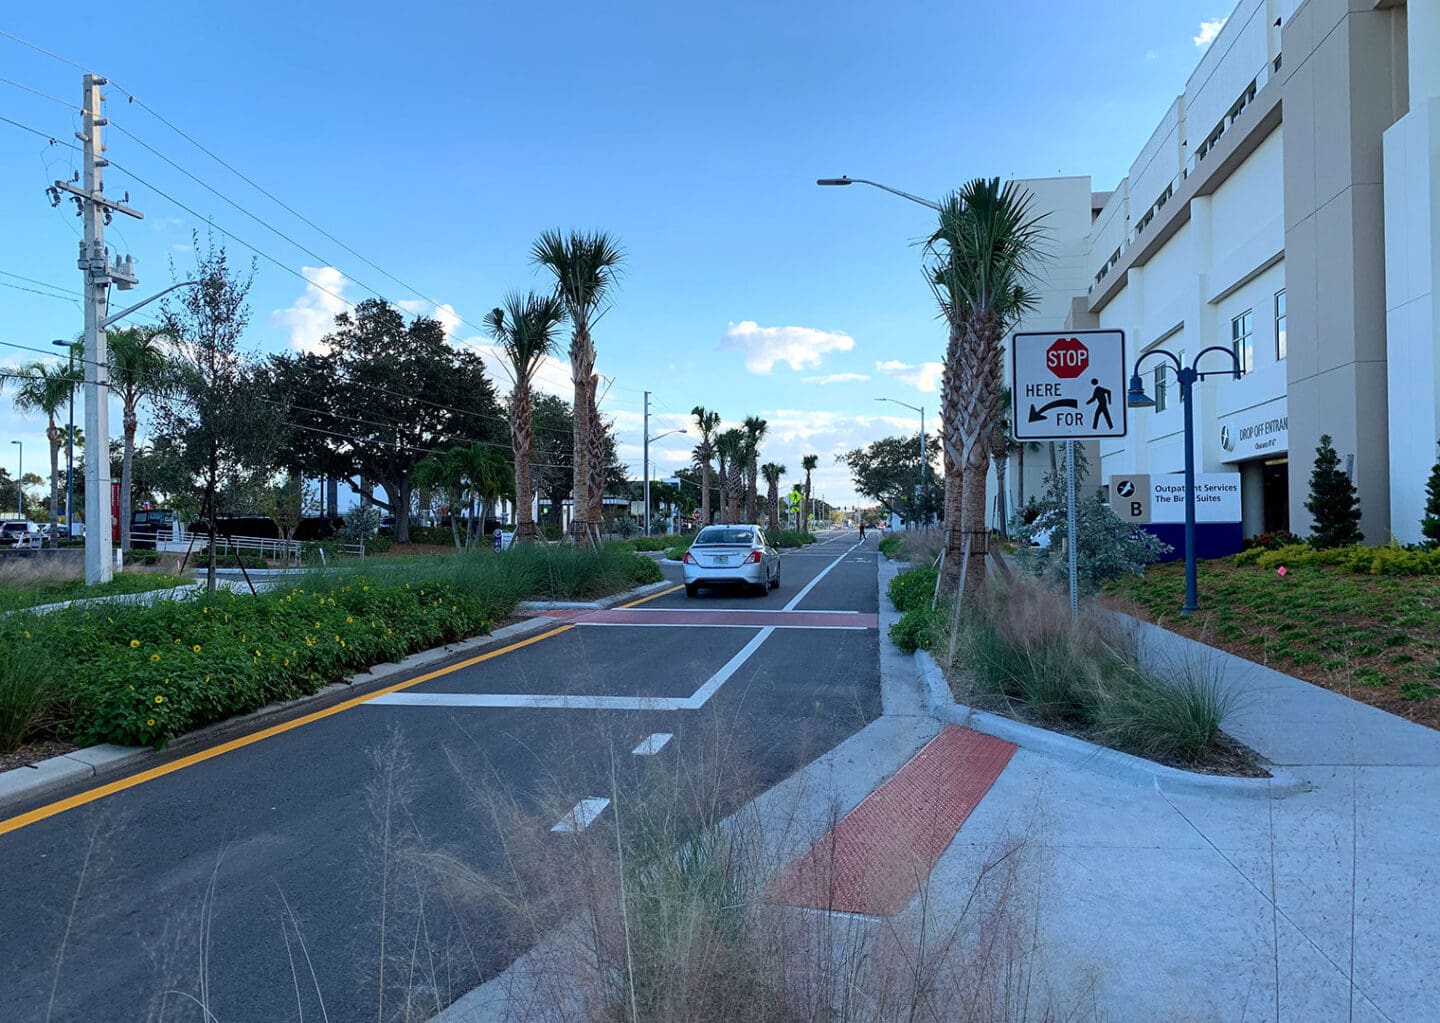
column 653, row 744
column 582, row 816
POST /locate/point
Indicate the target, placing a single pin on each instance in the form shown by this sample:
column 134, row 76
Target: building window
column 1162, row 379
column 1241, row 341
column 1280, row 324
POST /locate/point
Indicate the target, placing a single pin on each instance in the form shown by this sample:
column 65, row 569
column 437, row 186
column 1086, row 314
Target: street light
column 875, row 184
column 648, row 439
column 20, row 481
column 69, row 443
column 924, row 465
column 1137, row 398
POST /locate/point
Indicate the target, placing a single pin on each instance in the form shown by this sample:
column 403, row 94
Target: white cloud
column 924, row 377
column 798, row 347
column 553, row 376
column 445, row 313
column 836, row 378
column 1151, row 56
column 1209, row 30
column 312, row 316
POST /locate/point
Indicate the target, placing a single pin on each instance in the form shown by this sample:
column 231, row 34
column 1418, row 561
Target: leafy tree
column 808, row 463
column 707, row 423
column 525, row 329
column 138, row 369
column 1106, row 547
column 980, row 264
column 285, row 505
column 888, row 471
column 382, row 395
column 585, row 267
column 46, row 388
column 214, row 417
column 772, row 471
column 1333, row 503
column 1430, row 524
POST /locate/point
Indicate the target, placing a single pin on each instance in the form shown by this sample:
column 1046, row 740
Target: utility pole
column 646, row 458
column 99, row 274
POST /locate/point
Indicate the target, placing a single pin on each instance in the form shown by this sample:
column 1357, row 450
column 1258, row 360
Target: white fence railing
column 180, row 541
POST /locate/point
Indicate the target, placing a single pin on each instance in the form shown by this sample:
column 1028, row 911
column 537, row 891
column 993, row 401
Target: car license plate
column 722, row 559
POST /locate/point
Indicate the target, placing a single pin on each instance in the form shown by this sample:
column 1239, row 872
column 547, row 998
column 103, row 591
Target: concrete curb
column 41, row 779
column 1089, row 756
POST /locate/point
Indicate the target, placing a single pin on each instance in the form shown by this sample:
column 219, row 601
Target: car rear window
column 717, row 535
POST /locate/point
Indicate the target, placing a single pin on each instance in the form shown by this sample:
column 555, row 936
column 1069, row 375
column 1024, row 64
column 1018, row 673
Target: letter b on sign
column 1067, row 358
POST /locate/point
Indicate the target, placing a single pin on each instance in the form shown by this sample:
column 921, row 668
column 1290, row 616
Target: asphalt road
column 201, row 885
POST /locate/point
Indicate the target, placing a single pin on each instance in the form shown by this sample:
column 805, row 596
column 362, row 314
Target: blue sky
column 439, row 139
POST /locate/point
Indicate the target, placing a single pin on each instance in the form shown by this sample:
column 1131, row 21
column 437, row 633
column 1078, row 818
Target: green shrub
column 920, row 628
column 677, row 553
column 1273, row 541
column 891, row 547
column 660, row 543
column 233, row 561
column 1388, row 560
column 914, row 589
column 436, row 536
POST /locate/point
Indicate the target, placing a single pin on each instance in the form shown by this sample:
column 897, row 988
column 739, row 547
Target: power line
column 36, row 92
column 44, row 294
column 31, row 280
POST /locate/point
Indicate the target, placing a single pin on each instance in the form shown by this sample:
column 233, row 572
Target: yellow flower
column 27, row 633
column 287, row 662
column 337, row 639
column 150, row 722
column 207, row 678
column 134, row 644
column 196, row 648
column 159, row 699
column 154, row 657
column 349, row 618
column 132, row 689
column 309, row 640
column 204, row 610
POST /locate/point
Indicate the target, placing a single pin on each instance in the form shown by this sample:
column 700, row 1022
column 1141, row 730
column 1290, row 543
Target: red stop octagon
column 1067, row 358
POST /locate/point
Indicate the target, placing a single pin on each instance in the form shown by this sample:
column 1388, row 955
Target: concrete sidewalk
column 1311, row 906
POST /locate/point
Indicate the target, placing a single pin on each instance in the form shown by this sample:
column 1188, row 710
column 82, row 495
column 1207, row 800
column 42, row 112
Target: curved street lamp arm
column 1157, row 351
column 126, row 312
column 903, row 404
column 1235, row 359
column 875, row 184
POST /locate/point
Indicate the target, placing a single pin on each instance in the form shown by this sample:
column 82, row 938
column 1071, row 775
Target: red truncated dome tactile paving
column 876, row 858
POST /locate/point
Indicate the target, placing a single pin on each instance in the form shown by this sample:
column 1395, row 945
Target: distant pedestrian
column 862, row 530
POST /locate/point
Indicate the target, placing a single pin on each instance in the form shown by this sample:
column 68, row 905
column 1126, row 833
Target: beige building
column 1287, row 208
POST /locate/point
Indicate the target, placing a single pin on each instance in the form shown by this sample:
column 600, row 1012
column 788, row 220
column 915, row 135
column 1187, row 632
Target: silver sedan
column 731, row 556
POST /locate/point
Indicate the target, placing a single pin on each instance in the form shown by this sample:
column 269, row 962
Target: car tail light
column 690, row 559
column 754, row 558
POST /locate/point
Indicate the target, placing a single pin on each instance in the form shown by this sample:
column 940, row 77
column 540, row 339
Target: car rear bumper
column 738, row 575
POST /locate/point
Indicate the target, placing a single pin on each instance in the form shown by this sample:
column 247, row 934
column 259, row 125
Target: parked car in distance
column 21, row 533
column 731, row 556
column 148, row 525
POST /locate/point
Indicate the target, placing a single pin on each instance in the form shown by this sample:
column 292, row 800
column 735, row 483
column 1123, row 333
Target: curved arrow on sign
column 1038, row 415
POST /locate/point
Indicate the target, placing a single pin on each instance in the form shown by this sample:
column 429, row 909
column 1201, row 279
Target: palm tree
column 729, row 450
column 980, row 263
column 487, row 476
column 808, row 463
column 585, row 267
column 525, row 329
column 755, row 428
column 772, row 473
column 46, row 388
column 707, row 423
column 139, row 368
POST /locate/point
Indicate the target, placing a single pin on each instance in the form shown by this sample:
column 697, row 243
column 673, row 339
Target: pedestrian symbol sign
column 1068, row 385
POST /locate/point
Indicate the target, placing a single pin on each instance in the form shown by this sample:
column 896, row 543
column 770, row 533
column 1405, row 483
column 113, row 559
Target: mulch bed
column 34, row 752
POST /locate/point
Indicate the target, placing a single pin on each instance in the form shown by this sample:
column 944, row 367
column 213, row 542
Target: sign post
column 1068, row 386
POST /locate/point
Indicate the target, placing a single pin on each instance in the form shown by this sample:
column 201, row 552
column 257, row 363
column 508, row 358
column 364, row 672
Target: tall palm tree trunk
column 522, row 435
column 773, row 498
column 978, row 411
column 52, row 434
column 595, row 465
column 582, row 375
column 705, row 493
column 954, row 460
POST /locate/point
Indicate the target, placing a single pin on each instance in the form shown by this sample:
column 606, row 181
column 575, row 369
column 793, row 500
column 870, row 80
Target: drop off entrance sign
column 1068, row 385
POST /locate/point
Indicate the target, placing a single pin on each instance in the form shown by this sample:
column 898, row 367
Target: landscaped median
column 142, row 675
column 1362, row 621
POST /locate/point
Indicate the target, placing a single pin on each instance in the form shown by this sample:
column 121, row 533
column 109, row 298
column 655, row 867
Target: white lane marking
column 530, row 700
column 653, row 744
column 694, row 701
column 701, row 695
column 583, row 815
column 811, row 584
column 726, row 610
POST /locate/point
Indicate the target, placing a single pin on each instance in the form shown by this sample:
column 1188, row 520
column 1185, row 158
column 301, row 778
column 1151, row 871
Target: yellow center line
column 130, row 781
column 49, row 810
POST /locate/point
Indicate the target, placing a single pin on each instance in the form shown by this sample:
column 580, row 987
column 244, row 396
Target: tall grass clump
column 30, row 678
column 1023, row 650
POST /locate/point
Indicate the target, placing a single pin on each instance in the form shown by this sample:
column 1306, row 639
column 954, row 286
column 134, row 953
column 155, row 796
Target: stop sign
column 1067, row 358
